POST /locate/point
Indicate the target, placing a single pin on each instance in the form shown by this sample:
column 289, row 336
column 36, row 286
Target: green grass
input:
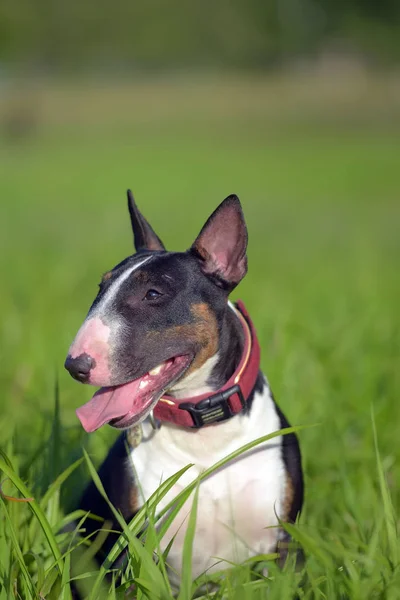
column 315, row 163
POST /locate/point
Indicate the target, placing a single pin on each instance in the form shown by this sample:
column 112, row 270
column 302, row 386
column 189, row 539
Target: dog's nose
column 80, row 366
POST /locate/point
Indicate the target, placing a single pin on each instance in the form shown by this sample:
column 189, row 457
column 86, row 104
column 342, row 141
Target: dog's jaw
column 197, row 382
column 128, row 404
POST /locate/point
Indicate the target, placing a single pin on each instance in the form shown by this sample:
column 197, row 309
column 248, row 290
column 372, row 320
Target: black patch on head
column 147, row 329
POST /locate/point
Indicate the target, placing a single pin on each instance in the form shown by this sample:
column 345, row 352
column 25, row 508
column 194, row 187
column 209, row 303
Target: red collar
column 230, row 399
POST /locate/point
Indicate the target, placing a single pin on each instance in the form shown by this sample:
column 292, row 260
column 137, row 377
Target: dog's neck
column 216, row 371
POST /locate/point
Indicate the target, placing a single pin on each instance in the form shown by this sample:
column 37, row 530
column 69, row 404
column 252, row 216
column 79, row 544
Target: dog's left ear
column 144, row 236
column 221, row 244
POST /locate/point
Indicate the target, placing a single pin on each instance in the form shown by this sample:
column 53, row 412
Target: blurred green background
column 293, row 105
column 51, row 34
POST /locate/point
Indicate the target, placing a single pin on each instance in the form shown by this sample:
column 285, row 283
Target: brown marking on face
column 141, row 276
column 206, row 333
column 106, row 276
column 288, row 499
column 203, row 333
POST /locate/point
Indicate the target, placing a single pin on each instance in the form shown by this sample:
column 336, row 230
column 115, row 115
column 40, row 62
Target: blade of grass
column 40, row 568
column 53, row 489
column 186, row 572
column 49, row 582
column 17, row 551
column 309, row 544
column 149, row 571
column 73, row 516
column 65, row 579
column 36, row 509
column 55, row 486
column 55, row 442
column 152, row 544
column 388, row 510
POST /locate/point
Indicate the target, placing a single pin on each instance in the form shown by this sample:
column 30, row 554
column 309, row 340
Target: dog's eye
column 152, row 295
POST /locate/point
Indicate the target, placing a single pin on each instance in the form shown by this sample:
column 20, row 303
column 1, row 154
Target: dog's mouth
column 128, row 404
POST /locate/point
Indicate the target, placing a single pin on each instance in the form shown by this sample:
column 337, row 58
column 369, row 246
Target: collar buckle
column 213, row 409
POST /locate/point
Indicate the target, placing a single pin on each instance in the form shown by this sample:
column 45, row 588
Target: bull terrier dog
column 172, row 354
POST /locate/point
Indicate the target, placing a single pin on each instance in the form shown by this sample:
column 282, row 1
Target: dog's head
column 156, row 317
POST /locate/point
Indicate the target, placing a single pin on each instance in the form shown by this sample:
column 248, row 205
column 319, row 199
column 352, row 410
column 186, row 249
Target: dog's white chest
column 236, row 504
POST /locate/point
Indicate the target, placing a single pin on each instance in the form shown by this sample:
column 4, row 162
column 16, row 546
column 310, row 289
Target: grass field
column 316, row 164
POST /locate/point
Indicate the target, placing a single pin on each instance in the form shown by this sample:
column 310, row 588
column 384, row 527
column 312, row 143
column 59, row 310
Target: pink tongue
column 108, row 403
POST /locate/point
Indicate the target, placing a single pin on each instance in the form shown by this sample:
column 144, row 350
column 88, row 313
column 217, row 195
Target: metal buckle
column 213, row 409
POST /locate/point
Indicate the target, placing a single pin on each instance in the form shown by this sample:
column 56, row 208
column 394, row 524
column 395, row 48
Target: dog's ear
column 144, row 236
column 221, row 244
